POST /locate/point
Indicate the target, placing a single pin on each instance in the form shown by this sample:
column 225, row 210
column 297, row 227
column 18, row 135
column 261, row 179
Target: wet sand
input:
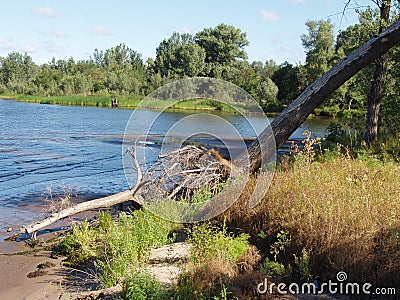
column 14, row 283
column 16, row 263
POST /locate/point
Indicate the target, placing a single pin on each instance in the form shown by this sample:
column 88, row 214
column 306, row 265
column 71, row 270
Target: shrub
column 213, row 262
column 118, row 246
column 303, row 264
column 210, row 242
column 79, row 245
column 274, row 268
column 141, row 286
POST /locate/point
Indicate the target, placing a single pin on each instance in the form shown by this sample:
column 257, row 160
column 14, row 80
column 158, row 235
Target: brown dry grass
column 345, row 212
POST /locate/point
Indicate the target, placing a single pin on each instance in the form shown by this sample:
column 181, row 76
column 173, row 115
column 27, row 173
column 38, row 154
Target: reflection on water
column 80, row 147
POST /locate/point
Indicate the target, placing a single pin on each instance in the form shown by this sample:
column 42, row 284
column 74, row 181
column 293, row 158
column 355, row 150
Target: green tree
column 286, row 79
column 48, row 79
column 372, row 92
column 352, row 95
column 378, row 81
column 17, row 72
column 242, row 74
column 179, row 56
column 319, row 46
column 267, row 92
column 223, row 45
column 117, row 70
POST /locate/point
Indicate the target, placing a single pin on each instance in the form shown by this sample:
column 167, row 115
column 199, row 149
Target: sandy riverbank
column 18, row 260
column 15, row 284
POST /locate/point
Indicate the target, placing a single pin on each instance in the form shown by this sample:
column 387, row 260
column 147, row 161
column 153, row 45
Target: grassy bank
column 76, row 100
column 321, row 218
column 123, row 102
column 317, row 219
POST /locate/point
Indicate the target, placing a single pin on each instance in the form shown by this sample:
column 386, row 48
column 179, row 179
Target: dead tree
column 128, row 195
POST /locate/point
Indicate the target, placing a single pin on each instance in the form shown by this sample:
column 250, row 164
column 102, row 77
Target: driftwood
column 84, row 206
column 128, row 195
column 181, row 173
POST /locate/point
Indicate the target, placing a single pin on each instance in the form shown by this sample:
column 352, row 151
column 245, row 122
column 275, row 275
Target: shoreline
column 132, row 102
column 33, row 213
column 125, row 103
column 20, row 276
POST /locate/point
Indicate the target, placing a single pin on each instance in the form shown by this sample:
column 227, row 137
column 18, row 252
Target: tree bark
column 377, row 84
column 297, row 112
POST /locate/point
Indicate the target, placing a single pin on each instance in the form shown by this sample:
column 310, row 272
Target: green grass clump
column 129, row 242
column 214, row 260
column 209, row 242
column 117, row 247
column 79, row 245
column 141, row 286
column 274, row 268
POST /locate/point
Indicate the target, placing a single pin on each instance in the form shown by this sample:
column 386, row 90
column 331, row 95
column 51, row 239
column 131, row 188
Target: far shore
column 123, row 102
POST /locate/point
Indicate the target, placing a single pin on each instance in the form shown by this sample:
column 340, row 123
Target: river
column 46, row 147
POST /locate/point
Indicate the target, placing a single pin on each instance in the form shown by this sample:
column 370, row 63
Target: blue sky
column 74, row 28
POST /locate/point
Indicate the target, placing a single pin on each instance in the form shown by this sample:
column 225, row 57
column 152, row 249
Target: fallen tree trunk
column 84, row 206
column 297, row 112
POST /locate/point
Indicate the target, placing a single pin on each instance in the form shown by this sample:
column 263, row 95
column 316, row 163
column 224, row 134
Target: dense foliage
column 216, row 52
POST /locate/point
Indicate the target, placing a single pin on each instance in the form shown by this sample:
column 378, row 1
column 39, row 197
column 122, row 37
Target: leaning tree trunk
column 378, row 81
column 297, row 112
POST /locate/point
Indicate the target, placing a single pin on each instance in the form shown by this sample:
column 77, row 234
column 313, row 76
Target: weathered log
column 84, row 206
column 90, row 205
column 297, row 112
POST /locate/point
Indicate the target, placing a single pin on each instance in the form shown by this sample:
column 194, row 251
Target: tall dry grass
column 345, row 212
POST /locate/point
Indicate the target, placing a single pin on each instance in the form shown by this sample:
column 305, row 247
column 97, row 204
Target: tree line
column 219, row 52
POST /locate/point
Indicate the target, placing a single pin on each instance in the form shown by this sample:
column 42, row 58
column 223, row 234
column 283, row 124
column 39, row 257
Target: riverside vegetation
column 328, row 209
column 129, row 101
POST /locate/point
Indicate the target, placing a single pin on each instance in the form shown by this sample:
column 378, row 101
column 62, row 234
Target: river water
column 53, row 147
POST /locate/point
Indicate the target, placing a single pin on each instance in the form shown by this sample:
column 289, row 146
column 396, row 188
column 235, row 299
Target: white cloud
column 7, row 44
column 298, row 1
column 58, row 33
column 270, row 16
column 186, row 30
column 51, row 47
column 101, row 31
column 46, row 11
column 30, row 48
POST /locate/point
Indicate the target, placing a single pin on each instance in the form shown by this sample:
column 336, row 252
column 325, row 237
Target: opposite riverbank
column 127, row 102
